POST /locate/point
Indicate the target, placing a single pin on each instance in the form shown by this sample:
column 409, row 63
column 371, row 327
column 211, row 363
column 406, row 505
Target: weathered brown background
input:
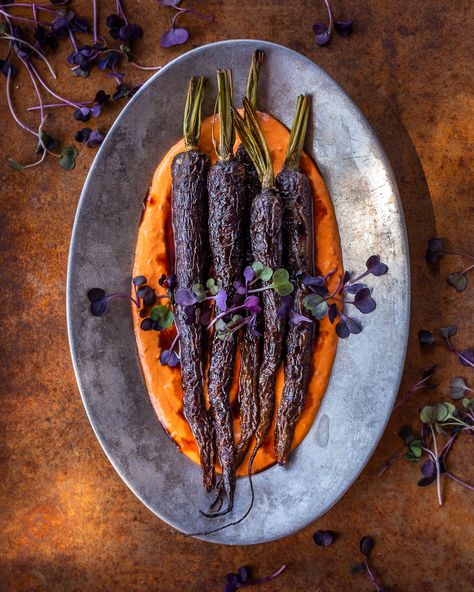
column 68, row 523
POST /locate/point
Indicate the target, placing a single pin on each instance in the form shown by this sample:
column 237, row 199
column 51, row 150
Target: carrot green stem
column 224, row 147
column 298, row 133
column 252, row 82
column 251, row 136
column 192, row 112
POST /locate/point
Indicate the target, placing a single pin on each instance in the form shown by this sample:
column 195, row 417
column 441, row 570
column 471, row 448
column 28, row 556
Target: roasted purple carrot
column 249, row 343
column 295, row 192
column 226, row 188
column 189, row 172
column 266, row 220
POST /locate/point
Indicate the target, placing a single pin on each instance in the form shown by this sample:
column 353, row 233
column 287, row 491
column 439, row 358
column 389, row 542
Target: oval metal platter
column 368, row 366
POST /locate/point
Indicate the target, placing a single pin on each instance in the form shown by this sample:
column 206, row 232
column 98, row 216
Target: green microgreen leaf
column 415, row 450
column 458, row 280
column 317, row 305
column 448, row 331
column 427, row 414
column 262, row 272
column 15, row 165
column 281, row 283
column 68, row 158
column 458, row 387
column 468, row 403
column 211, row 286
column 163, row 315
column 199, row 291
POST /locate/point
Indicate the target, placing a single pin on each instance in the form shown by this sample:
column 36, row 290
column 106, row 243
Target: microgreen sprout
column 437, row 249
column 366, row 545
column 324, row 538
column 439, row 420
column 465, row 356
column 33, row 39
column 242, row 578
column 424, row 382
column 178, row 35
column 320, row 303
column 323, row 32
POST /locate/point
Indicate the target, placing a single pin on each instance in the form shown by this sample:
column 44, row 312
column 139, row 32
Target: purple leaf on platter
column 364, row 302
column 375, row 266
column 185, row 297
column 221, row 300
column 332, row 312
column 342, row 330
column 354, row 288
column 353, row 325
column 169, row 358
column 252, row 303
column 425, row 338
column 249, row 274
column 174, row 36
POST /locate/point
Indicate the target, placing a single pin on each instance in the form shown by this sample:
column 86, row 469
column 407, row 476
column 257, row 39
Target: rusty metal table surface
column 68, row 522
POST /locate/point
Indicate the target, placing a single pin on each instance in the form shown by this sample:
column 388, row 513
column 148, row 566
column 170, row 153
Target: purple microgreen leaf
column 147, row 324
column 324, row 538
column 375, row 266
column 428, row 468
column 458, row 280
column 296, row 318
column 100, row 307
column 139, row 280
column 466, row 357
column 353, row 325
column 95, row 294
column 323, row 37
column 185, row 297
column 354, row 288
column 426, row 481
column 240, row 288
column 319, row 28
column 169, row 357
column 342, row 329
column 169, row 2
column 435, row 250
column 364, row 302
column 343, row 27
column 366, row 545
column 425, row 338
column 249, row 274
column 221, row 300
column 94, row 139
column 332, row 312
column 252, row 304
column 174, row 36
column 286, row 304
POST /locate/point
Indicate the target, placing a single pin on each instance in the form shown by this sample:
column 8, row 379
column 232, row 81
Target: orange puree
column 154, row 256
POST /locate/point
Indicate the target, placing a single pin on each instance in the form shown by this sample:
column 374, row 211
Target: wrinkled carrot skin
column 295, row 192
column 226, row 188
column 189, row 217
column 249, row 343
column 267, row 247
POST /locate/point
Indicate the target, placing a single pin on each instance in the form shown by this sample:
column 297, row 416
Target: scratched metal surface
column 370, row 218
column 68, row 522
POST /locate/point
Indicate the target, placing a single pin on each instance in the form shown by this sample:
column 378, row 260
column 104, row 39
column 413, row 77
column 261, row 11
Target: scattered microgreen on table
column 33, row 33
